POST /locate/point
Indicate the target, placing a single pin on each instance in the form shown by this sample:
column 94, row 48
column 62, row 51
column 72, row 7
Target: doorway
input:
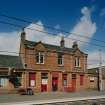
column 44, row 82
column 73, row 82
column 55, row 83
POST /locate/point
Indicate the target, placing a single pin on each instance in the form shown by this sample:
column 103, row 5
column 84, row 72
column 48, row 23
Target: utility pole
column 100, row 71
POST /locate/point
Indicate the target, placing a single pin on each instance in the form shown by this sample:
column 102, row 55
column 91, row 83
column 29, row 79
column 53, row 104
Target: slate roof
column 95, row 70
column 31, row 44
column 92, row 71
column 10, row 61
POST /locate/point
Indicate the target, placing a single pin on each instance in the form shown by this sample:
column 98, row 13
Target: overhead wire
column 47, row 26
column 20, row 26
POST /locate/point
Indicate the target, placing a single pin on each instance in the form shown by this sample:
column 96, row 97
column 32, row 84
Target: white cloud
column 84, row 27
column 94, row 59
column 36, row 34
column 9, row 41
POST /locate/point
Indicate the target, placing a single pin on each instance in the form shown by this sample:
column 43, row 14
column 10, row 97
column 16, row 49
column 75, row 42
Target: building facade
column 53, row 68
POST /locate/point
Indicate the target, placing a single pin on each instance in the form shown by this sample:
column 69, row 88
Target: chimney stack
column 62, row 42
column 75, row 45
column 23, row 36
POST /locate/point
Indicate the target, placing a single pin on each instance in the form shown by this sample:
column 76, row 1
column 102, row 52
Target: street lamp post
column 100, row 71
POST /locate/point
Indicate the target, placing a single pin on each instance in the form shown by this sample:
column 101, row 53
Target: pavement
column 63, row 100
column 39, row 98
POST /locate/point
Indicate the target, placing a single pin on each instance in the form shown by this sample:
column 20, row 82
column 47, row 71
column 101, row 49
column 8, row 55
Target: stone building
column 53, row 68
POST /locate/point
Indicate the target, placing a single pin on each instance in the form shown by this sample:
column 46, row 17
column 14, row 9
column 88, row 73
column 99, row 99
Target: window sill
column 60, row 65
column 32, row 86
column 78, row 67
column 40, row 63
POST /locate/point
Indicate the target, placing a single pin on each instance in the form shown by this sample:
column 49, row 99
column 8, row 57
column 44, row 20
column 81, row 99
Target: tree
column 13, row 78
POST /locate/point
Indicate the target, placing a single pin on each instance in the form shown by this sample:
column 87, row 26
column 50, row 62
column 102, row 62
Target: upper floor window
column 40, row 58
column 77, row 61
column 60, row 59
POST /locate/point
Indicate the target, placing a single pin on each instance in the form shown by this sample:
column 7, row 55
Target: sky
column 82, row 17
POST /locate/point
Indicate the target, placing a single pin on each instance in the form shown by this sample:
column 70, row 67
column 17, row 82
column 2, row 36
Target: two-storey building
column 52, row 68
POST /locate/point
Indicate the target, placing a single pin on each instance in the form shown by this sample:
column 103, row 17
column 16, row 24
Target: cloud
column 37, row 34
column 84, row 27
column 9, row 41
column 94, row 59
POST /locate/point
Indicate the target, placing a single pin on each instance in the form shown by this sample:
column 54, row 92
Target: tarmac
column 47, row 98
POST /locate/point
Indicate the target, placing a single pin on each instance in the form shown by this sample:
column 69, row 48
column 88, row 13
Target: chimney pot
column 62, row 42
column 23, row 36
column 75, row 45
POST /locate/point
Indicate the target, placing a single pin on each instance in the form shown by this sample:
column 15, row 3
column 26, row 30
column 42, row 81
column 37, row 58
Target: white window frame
column 3, row 82
column 39, row 57
column 77, row 62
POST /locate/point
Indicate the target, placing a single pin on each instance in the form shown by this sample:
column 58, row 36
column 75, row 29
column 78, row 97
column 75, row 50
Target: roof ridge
column 8, row 55
column 48, row 44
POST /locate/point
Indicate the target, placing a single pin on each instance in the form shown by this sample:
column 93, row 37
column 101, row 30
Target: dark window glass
column 77, row 62
column 37, row 58
column 73, row 76
column 40, row 57
column 81, row 80
column 60, row 59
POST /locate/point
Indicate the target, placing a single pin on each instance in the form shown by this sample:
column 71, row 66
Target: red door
column 55, row 76
column 81, row 80
column 73, row 82
column 44, row 82
column 65, row 82
column 32, row 79
column 43, row 88
column 73, row 85
column 54, row 83
column 44, row 85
